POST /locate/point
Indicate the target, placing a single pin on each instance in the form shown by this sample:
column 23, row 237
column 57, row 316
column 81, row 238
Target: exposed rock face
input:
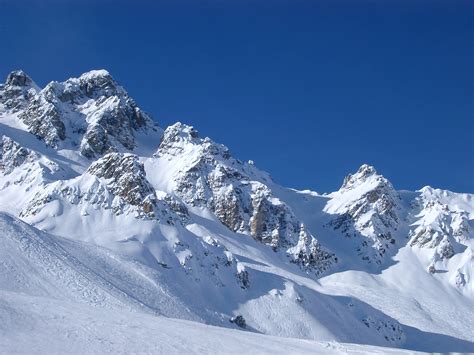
column 22, row 172
column 427, row 237
column 126, row 178
column 381, row 197
column 18, row 78
column 243, row 279
column 117, row 182
column 176, row 206
column 44, row 120
column 239, row 321
column 114, row 120
column 17, row 91
column 239, row 203
column 438, row 226
column 91, row 111
column 211, row 177
column 12, row 155
column 367, row 206
column 308, row 253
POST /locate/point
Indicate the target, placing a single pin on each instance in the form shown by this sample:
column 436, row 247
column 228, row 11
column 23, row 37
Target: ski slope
column 48, row 326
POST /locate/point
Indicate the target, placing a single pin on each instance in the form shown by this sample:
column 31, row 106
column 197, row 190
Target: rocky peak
column 367, row 206
column 96, row 83
column 17, row 90
column 175, row 136
column 180, row 132
column 91, row 112
column 18, row 78
column 362, row 175
column 126, row 177
column 180, row 137
column 366, row 187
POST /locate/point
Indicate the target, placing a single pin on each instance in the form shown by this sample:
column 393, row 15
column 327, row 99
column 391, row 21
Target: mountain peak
column 364, row 173
column 180, row 131
column 96, row 83
column 367, row 206
column 91, row 112
column 180, row 138
column 96, row 73
column 17, row 90
column 18, row 78
column 366, row 170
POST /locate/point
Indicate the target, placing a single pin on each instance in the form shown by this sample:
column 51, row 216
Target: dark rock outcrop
column 126, row 178
column 239, row 321
column 13, row 155
column 17, row 91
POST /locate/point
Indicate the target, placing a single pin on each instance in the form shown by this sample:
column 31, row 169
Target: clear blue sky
column 310, row 91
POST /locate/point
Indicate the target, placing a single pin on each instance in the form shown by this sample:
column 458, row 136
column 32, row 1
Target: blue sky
column 309, row 91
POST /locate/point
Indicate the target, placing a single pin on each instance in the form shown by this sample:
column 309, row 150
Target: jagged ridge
column 212, row 178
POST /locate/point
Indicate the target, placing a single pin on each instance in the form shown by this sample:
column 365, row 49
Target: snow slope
column 61, row 327
column 109, row 213
column 96, row 301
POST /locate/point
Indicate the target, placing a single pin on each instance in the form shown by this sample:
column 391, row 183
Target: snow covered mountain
column 100, row 208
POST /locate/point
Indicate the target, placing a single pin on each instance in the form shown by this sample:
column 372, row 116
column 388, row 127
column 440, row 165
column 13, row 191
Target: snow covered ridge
column 167, row 222
column 367, row 206
column 212, row 178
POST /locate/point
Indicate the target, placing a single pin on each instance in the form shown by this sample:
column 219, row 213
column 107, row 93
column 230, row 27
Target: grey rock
column 239, row 321
column 17, row 91
column 223, row 184
column 376, row 210
column 243, row 279
column 18, row 78
column 92, row 111
column 12, row 155
column 44, row 121
column 126, row 178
